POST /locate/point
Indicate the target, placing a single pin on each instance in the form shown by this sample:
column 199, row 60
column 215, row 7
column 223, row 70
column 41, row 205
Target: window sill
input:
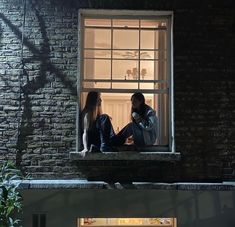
column 128, row 156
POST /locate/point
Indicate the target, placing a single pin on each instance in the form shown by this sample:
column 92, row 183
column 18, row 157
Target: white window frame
column 126, row 14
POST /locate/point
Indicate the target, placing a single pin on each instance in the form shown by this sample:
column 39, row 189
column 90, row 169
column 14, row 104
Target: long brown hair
column 140, row 97
column 91, row 108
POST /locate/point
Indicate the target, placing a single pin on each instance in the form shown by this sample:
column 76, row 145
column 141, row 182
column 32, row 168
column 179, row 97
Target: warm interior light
column 134, row 222
column 127, row 55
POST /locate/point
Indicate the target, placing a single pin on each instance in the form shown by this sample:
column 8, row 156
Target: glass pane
column 125, row 69
column 97, row 69
column 97, row 53
column 153, row 55
column 125, row 85
column 153, row 24
column 146, row 55
column 125, row 39
column 149, row 39
column 97, row 38
column 98, row 22
column 148, row 69
column 126, row 54
column 146, row 86
column 97, row 85
column 126, row 23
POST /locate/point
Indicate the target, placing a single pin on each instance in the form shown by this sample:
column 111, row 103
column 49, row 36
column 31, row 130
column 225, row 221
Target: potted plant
column 10, row 199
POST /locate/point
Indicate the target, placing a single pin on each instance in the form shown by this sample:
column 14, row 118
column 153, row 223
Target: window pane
column 125, row 85
column 148, row 69
column 125, row 39
column 98, row 22
column 97, row 69
column 149, row 39
column 126, row 54
column 97, row 54
column 125, row 69
column 97, row 85
column 146, row 86
column 97, row 38
column 153, row 55
column 126, row 23
column 153, row 70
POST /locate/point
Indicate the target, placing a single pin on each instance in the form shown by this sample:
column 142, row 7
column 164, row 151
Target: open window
column 122, row 52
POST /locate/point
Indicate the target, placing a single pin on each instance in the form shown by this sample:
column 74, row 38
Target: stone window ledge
column 128, row 155
column 84, row 184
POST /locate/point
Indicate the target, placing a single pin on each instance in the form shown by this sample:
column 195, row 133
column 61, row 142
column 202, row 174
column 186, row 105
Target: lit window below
column 135, row 222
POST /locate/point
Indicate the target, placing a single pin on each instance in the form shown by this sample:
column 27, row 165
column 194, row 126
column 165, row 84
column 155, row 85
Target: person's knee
column 104, row 117
column 129, row 124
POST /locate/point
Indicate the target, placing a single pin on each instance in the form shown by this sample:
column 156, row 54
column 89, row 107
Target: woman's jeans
column 103, row 136
column 131, row 129
column 102, row 132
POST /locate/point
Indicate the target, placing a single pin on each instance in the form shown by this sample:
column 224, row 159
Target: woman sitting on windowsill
column 96, row 127
column 143, row 127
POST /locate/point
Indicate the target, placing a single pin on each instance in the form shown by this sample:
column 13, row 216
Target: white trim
column 171, row 91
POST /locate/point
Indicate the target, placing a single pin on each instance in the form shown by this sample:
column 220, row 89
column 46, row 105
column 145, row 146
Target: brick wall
column 38, row 124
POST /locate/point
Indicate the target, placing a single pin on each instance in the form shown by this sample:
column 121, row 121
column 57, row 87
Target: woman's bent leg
column 121, row 137
column 106, row 132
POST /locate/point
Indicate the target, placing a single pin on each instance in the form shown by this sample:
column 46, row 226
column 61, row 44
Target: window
column 122, row 52
column 132, row 222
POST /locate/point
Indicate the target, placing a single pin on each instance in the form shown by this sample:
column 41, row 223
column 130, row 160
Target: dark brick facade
column 38, row 121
